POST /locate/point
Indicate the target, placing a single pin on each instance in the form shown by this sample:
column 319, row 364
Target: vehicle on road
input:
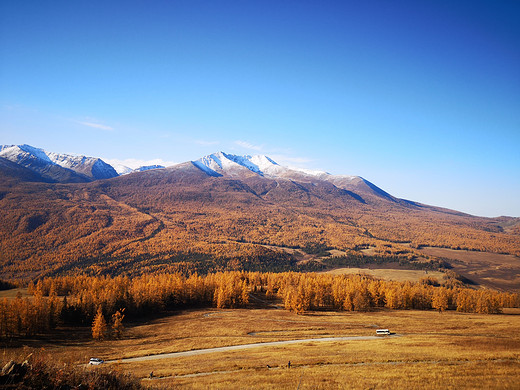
column 383, row 331
column 96, row 361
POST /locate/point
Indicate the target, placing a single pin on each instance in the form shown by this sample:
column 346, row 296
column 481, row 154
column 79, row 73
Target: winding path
column 240, row 347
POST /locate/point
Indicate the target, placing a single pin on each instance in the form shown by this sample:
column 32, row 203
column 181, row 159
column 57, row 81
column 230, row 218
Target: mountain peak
column 56, row 166
column 66, row 168
column 18, row 153
column 221, row 163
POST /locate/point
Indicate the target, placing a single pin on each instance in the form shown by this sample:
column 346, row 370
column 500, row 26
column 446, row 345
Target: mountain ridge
column 66, row 168
column 218, row 213
column 58, row 167
column 52, row 167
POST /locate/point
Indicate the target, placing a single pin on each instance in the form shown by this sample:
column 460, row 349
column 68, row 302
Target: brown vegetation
column 496, row 271
column 430, row 351
column 181, row 220
column 41, row 372
column 90, row 300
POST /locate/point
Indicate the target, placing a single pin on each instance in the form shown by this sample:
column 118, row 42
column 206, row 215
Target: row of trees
column 85, row 300
column 26, row 317
column 302, row 292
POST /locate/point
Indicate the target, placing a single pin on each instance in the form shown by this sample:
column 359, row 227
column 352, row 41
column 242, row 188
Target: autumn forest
column 181, row 220
column 105, row 301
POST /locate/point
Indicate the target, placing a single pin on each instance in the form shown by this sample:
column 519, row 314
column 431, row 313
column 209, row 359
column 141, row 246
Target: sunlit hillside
column 182, row 219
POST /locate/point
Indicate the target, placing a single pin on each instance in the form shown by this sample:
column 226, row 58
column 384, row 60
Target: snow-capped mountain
column 125, row 170
column 219, row 164
column 148, row 167
column 58, row 167
column 121, row 169
column 65, row 168
column 92, row 167
column 223, row 164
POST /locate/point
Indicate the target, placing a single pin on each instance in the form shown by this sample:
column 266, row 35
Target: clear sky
column 422, row 98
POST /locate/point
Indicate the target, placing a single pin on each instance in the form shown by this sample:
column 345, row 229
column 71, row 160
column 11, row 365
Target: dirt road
column 240, row 347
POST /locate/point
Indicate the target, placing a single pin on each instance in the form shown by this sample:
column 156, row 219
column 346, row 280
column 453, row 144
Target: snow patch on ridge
column 37, row 159
column 203, row 167
column 19, row 153
column 229, row 163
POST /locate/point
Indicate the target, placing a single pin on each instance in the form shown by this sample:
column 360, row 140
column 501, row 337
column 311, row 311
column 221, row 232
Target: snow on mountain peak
column 120, row 168
column 88, row 168
column 223, row 164
column 220, row 163
column 69, row 161
column 20, row 153
column 262, row 161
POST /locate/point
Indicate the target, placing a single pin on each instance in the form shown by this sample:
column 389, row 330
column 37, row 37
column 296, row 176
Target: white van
column 382, row 331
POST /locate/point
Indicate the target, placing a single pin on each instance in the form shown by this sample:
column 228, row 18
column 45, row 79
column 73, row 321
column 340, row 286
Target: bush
column 41, row 374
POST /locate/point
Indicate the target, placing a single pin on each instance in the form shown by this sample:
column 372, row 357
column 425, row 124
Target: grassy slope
column 449, row 350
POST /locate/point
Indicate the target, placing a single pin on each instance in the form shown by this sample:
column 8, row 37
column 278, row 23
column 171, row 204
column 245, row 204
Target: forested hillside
column 182, row 219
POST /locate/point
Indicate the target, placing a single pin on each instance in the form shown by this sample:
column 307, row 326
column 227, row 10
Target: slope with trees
column 181, row 219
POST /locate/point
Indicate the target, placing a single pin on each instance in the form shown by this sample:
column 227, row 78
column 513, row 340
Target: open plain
column 427, row 350
column 493, row 270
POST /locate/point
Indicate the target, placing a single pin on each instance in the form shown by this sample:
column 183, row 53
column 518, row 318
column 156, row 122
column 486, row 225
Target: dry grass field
column 400, row 275
column 428, row 350
column 12, row 293
column 492, row 270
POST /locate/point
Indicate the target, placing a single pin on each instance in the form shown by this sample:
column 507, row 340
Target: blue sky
column 420, row 97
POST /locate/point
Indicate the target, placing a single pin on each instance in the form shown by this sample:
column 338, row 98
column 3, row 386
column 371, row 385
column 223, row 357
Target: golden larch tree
column 440, row 299
column 99, row 326
column 117, row 323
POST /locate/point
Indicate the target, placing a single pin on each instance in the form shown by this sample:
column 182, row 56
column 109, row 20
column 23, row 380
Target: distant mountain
column 54, row 167
column 148, row 167
column 64, row 168
column 229, row 165
column 125, row 170
column 122, row 169
column 219, row 212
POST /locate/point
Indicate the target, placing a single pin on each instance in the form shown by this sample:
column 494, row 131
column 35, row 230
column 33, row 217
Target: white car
column 96, row 361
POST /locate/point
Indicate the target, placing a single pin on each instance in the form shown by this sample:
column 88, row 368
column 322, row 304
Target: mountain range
column 66, row 168
column 63, row 214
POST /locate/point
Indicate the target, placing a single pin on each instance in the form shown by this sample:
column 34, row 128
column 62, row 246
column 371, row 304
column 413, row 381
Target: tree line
column 104, row 301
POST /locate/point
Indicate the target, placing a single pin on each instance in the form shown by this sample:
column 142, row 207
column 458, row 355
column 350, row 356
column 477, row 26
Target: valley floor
column 492, row 270
column 429, row 350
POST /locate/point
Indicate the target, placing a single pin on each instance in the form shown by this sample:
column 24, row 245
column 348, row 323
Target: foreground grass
column 433, row 350
column 427, row 375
